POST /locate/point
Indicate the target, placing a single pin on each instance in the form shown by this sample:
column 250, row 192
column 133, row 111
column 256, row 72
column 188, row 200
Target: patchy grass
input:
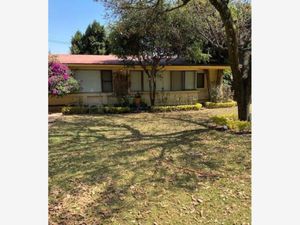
column 148, row 168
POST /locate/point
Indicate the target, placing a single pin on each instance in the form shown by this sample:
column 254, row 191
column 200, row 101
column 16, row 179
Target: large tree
column 92, row 42
column 151, row 39
column 238, row 38
column 76, row 43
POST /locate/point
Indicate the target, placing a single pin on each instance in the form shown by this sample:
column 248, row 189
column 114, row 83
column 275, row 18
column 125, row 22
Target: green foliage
column 195, row 53
column 114, row 110
column 92, row 42
column 197, row 106
column 231, row 122
column 69, row 110
column 76, row 43
column 227, row 77
column 220, row 104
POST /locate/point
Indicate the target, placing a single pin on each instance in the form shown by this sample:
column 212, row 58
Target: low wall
column 162, row 98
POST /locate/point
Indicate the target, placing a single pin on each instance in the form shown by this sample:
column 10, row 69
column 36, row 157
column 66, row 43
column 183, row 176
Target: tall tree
column 151, row 39
column 238, row 49
column 92, row 42
column 76, row 43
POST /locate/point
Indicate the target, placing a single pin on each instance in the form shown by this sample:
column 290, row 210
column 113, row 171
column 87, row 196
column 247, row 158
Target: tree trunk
column 219, row 83
column 244, row 96
column 152, row 89
column 208, row 84
column 241, row 83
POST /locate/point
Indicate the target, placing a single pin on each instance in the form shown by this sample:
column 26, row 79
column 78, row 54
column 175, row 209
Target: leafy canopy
column 92, row 42
column 152, row 36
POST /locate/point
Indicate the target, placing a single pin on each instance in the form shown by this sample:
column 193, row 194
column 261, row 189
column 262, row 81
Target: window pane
column 106, row 75
column 107, row 86
column 89, row 80
column 189, row 80
column 200, row 80
column 176, row 80
column 136, row 80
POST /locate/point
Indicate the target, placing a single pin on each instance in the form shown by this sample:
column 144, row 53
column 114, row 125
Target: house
column 103, row 76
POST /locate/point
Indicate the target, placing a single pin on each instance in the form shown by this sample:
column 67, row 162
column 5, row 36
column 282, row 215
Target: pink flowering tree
column 60, row 79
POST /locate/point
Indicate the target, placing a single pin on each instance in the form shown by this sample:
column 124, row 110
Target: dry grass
column 163, row 168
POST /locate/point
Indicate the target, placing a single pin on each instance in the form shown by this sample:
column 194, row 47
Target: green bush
column 232, row 122
column 211, row 105
column 68, row 110
column 113, row 110
column 197, row 106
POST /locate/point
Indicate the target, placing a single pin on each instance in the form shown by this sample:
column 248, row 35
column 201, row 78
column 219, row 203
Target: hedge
column 231, row 122
column 197, row 106
column 68, row 110
column 219, row 104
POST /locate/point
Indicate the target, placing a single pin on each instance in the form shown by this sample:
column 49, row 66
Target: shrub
column 113, row 110
column 231, row 122
column 197, row 106
column 60, row 80
column 220, row 104
column 68, row 110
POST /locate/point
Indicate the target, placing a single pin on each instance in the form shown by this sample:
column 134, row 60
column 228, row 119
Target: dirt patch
column 53, row 117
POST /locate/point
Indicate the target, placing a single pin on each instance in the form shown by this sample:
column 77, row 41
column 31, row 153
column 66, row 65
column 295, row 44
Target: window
column 136, row 78
column 200, row 80
column 177, row 80
column 106, row 78
column 89, row 80
column 189, row 80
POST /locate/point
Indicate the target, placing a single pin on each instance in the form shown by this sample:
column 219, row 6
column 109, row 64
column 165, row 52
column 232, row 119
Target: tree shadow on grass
column 93, row 151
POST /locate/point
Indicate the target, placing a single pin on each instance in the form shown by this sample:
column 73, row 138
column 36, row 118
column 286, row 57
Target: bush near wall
column 69, row 110
column 231, row 122
column 212, row 105
column 197, row 106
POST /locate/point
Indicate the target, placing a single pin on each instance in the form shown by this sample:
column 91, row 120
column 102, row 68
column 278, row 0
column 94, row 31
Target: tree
column 60, row 80
column 92, row 42
column 237, row 30
column 209, row 24
column 151, row 39
column 76, row 43
column 239, row 53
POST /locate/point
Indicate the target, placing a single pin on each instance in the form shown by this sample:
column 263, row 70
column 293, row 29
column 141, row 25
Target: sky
column 65, row 17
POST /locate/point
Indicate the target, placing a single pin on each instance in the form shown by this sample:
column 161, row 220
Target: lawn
column 148, row 168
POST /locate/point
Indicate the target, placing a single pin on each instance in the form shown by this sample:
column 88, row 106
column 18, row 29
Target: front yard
column 148, row 168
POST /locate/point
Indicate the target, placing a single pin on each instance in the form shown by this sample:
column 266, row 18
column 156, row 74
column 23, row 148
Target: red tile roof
column 114, row 60
column 89, row 59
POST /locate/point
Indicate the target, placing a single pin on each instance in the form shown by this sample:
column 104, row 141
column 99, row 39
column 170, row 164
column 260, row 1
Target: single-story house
column 100, row 77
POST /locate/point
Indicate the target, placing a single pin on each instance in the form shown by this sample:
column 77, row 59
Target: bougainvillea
column 60, row 80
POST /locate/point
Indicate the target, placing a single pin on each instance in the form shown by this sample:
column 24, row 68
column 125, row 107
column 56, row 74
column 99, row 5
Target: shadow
column 113, row 159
